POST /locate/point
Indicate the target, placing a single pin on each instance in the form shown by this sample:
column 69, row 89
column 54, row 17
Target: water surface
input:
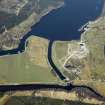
column 63, row 23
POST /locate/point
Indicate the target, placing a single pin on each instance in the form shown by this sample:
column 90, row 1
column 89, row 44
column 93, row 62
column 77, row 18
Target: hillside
column 17, row 17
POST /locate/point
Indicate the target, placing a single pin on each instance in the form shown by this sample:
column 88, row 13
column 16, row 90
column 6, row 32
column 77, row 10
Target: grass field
column 78, row 96
column 30, row 66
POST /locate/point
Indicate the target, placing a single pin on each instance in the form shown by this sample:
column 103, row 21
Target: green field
column 59, row 54
column 20, row 69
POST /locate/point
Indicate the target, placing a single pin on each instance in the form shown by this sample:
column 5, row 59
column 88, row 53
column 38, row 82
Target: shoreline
column 68, row 87
column 103, row 10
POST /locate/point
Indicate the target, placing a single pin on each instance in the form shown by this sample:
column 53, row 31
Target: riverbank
column 26, row 71
column 30, row 66
column 103, row 11
column 10, row 37
column 73, row 96
column 89, row 69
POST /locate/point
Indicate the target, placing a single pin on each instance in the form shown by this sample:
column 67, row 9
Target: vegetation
column 41, row 101
column 1, row 94
column 28, row 67
column 90, row 69
column 81, row 96
column 18, row 16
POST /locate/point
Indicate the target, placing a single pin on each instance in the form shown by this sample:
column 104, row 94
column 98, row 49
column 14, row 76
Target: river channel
column 60, row 24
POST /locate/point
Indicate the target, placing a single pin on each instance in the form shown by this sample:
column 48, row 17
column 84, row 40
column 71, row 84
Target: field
column 48, row 97
column 83, row 62
column 41, row 101
column 31, row 66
